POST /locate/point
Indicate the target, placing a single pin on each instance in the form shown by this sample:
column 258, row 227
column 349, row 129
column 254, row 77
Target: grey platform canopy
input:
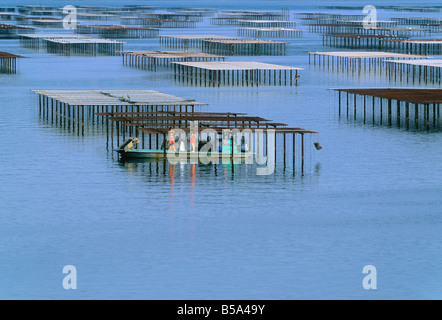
column 78, row 106
column 115, row 98
column 235, row 73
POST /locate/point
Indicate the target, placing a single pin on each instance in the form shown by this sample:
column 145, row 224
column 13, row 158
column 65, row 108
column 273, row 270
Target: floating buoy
column 317, row 146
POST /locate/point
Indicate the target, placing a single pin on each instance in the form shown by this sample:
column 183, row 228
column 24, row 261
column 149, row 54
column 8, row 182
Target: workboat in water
column 128, row 150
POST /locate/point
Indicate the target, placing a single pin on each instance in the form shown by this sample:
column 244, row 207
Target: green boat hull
column 160, row 154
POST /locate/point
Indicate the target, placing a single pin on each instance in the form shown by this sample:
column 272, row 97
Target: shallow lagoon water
column 371, row 196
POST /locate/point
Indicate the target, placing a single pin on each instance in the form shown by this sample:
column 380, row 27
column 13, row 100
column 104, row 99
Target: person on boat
column 171, row 139
column 226, row 148
column 193, row 141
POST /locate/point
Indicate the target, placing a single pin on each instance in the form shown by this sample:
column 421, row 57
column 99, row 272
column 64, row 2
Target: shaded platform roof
column 116, row 98
column 142, row 113
column 425, row 63
column 221, row 129
column 365, row 54
column 53, row 36
column 196, row 36
column 236, row 65
column 423, row 41
column 244, row 41
column 421, row 96
column 115, row 27
column 8, row 55
column 272, row 29
column 171, row 54
column 13, row 27
column 147, row 122
column 82, row 41
column 365, row 36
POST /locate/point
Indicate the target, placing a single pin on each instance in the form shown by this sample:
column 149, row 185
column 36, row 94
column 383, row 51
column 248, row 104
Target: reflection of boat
column 127, row 151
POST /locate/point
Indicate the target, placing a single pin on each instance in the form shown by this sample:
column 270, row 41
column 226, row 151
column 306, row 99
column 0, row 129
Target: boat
column 128, row 151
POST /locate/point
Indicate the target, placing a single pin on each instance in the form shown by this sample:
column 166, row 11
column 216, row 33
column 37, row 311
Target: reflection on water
column 317, row 168
column 192, row 182
column 223, row 170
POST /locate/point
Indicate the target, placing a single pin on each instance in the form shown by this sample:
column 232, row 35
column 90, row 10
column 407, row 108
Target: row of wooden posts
column 389, row 112
column 415, row 73
column 270, row 33
column 357, row 42
column 231, row 77
column 8, row 65
column 421, row 47
column 84, row 48
column 151, row 63
column 244, row 48
column 118, row 32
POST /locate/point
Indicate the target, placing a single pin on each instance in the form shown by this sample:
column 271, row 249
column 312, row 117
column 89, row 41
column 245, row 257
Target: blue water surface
column 371, row 196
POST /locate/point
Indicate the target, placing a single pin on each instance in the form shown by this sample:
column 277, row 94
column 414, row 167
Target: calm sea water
column 371, row 196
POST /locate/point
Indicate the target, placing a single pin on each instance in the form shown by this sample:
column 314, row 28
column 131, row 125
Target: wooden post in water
column 389, row 112
column 427, row 111
column 381, row 115
column 302, row 153
column 354, row 107
column 339, row 94
column 231, row 142
column 82, row 120
column 416, row 115
column 294, row 152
